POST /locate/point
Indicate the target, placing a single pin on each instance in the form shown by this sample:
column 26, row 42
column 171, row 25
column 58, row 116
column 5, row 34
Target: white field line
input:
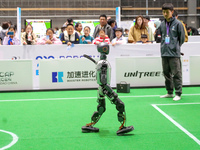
column 176, row 123
column 52, row 99
column 15, row 139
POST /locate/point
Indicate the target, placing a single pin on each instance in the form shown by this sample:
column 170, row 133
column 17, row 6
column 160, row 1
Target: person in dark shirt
column 69, row 36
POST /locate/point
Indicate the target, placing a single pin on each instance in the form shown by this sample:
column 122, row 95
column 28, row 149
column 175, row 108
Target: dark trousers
column 172, row 71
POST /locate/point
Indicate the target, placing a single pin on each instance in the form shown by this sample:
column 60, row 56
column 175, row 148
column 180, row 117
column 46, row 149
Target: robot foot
column 124, row 130
column 87, row 129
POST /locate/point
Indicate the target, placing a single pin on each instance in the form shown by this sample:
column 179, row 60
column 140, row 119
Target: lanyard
column 167, row 25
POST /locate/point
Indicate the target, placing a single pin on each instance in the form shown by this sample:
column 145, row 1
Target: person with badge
column 172, row 37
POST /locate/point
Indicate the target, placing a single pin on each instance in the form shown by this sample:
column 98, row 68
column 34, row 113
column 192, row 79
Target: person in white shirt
column 119, row 39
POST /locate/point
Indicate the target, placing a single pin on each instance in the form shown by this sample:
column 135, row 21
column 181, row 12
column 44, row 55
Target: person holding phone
column 50, row 38
column 28, row 37
column 10, row 38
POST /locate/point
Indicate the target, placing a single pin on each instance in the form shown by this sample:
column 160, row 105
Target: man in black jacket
column 172, row 37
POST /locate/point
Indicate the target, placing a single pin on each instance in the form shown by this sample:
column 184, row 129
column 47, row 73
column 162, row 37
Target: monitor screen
column 91, row 23
column 39, row 26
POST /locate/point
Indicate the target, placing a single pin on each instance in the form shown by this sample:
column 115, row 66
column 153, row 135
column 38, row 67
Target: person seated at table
column 50, row 38
column 86, row 38
column 10, row 38
column 120, row 39
column 144, row 39
column 101, row 38
column 69, row 36
column 28, row 37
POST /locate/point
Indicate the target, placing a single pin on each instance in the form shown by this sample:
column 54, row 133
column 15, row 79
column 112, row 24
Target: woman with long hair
column 137, row 30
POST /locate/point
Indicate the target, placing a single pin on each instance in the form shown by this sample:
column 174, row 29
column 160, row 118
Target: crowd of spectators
column 106, row 31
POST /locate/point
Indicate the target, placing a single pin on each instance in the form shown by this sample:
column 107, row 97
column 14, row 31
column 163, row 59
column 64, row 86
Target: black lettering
column 140, row 74
column 146, row 74
column 157, row 74
column 152, row 74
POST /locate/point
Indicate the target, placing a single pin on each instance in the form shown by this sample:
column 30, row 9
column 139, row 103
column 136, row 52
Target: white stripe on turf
column 51, row 99
column 15, row 139
column 177, row 124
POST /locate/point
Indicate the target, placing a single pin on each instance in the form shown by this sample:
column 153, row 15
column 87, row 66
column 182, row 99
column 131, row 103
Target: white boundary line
column 15, row 139
column 52, row 99
column 176, row 123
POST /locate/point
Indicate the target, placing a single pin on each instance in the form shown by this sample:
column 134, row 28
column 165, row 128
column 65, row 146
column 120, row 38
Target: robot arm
column 88, row 57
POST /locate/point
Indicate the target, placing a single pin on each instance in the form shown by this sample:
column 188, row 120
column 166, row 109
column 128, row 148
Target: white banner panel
column 16, row 75
column 67, row 74
column 139, row 71
column 194, row 70
column 38, row 52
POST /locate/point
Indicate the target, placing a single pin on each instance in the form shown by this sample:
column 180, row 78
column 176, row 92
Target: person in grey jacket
column 172, row 37
column 103, row 25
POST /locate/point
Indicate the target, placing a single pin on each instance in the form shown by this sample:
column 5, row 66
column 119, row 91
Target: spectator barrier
column 69, row 66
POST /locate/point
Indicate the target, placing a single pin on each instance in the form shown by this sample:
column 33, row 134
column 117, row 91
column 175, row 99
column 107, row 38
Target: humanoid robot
column 103, row 79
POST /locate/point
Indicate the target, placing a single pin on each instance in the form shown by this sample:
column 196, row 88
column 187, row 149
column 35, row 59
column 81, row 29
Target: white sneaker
column 167, row 96
column 176, row 98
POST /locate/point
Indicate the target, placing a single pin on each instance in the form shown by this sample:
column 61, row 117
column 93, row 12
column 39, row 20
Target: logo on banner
column 60, row 57
column 141, row 74
column 57, row 77
column 64, row 57
column 6, row 78
column 81, row 76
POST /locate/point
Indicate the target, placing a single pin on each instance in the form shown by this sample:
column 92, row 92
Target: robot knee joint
column 120, row 117
column 101, row 109
column 95, row 116
column 120, row 106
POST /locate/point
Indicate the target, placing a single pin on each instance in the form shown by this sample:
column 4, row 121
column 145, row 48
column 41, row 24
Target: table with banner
column 61, row 67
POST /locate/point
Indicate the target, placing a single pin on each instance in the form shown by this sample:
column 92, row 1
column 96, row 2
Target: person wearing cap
column 69, row 21
column 144, row 39
column 119, row 39
column 149, row 29
column 157, row 34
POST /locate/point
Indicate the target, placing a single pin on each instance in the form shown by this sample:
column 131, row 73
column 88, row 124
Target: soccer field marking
column 15, row 139
column 52, row 99
column 176, row 123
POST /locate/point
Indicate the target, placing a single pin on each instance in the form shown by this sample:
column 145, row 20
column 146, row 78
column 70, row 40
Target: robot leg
column 122, row 117
column 97, row 114
column 113, row 97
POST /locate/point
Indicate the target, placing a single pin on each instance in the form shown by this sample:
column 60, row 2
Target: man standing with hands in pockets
column 172, row 37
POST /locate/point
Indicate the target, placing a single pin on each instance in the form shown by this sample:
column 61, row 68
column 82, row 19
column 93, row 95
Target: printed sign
column 16, row 75
column 67, row 74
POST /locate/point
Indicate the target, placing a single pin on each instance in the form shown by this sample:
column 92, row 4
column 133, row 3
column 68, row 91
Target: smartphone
column 10, row 33
column 47, row 37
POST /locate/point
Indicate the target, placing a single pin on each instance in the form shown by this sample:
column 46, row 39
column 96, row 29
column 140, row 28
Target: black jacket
column 177, row 38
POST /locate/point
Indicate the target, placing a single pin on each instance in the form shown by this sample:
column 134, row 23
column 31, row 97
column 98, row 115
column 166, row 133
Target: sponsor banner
column 194, row 70
column 16, row 75
column 67, row 74
column 139, row 71
column 45, row 52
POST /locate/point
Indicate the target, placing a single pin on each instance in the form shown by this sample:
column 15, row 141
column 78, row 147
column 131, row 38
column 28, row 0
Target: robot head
column 103, row 48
